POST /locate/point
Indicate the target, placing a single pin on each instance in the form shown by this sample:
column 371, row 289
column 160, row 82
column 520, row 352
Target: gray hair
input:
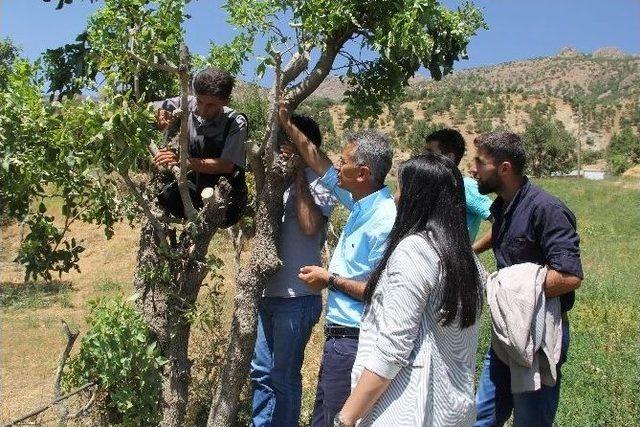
column 373, row 149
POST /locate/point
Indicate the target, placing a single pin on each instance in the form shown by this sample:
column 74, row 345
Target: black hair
column 449, row 141
column 308, row 127
column 432, row 204
column 213, row 82
column 504, row 146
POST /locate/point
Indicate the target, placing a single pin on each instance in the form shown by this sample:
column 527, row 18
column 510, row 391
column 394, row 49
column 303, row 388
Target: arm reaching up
column 312, row 155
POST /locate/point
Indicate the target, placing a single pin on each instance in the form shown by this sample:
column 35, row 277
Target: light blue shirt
column 360, row 247
column 477, row 206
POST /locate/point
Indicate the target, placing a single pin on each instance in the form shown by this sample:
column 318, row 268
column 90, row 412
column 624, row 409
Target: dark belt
column 339, row 331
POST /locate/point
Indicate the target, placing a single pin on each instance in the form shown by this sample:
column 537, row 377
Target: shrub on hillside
column 416, row 139
column 623, row 151
column 550, row 147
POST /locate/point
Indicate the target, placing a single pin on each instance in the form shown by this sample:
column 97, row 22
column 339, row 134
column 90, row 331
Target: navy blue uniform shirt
column 537, row 227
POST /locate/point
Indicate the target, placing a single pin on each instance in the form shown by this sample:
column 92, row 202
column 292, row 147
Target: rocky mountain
column 592, row 95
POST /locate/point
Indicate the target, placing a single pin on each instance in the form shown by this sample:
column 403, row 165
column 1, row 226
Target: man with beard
column 530, row 225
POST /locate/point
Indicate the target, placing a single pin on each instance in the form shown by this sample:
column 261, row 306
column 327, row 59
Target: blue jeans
column 334, row 379
column 495, row 402
column 284, row 328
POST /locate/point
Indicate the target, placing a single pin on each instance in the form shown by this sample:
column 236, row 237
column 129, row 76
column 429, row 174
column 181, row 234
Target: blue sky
column 518, row 29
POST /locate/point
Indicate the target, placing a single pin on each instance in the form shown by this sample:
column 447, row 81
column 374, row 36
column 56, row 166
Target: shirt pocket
column 521, row 247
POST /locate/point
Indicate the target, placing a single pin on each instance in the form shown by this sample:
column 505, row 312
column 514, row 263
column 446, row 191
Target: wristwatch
column 332, row 282
column 337, row 422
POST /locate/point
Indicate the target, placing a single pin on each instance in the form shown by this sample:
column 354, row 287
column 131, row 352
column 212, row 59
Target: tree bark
column 264, row 263
column 164, row 303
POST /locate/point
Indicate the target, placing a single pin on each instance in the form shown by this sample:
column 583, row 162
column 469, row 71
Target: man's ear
column 505, row 168
column 364, row 173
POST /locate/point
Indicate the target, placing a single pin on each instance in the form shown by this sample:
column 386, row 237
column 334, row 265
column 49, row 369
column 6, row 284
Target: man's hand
column 287, row 151
column 312, row 155
column 283, row 112
column 166, row 158
column 164, row 119
column 317, row 278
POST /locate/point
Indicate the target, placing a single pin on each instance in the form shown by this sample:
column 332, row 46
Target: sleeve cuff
column 330, row 178
column 567, row 263
column 379, row 365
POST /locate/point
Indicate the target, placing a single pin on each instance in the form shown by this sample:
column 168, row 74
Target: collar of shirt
column 366, row 203
column 497, row 207
column 217, row 121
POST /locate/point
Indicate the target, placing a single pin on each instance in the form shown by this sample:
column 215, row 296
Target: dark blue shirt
column 537, row 227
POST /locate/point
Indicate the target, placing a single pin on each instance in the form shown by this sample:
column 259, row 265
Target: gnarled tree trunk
column 272, row 177
column 251, row 278
column 167, row 282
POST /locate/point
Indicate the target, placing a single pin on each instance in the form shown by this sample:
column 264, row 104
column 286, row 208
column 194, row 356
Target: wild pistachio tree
column 82, row 152
column 64, row 153
column 398, row 37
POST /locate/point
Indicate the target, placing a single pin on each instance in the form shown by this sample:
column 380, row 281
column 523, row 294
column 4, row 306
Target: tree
column 550, row 147
column 404, row 36
column 623, row 151
column 8, row 54
column 133, row 37
column 418, row 136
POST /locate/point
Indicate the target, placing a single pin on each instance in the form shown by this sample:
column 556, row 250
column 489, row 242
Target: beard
column 488, row 185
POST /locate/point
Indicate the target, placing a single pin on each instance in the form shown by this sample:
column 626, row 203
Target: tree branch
column 298, row 63
column 298, row 93
column 211, row 216
column 269, row 148
column 254, row 156
column 80, row 412
column 71, row 339
column 146, row 208
column 183, row 184
column 256, row 152
column 49, row 405
column 156, row 65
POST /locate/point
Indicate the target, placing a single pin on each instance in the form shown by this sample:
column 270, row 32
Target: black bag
column 169, row 197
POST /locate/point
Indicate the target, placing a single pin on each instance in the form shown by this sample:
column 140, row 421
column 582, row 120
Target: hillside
column 593, row 95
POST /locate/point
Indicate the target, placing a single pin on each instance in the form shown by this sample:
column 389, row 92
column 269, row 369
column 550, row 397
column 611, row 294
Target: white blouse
column 431, row 366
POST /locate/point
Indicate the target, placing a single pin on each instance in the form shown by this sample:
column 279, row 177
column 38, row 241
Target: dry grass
column 31, row 338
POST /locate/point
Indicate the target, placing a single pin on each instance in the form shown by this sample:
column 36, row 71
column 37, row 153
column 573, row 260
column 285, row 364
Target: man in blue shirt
column 358, row 183
column 450, row 143
column 530, row 226
column 289, row 309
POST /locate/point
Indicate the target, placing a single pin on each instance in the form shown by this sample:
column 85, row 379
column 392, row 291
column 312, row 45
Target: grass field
column 601, row 380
